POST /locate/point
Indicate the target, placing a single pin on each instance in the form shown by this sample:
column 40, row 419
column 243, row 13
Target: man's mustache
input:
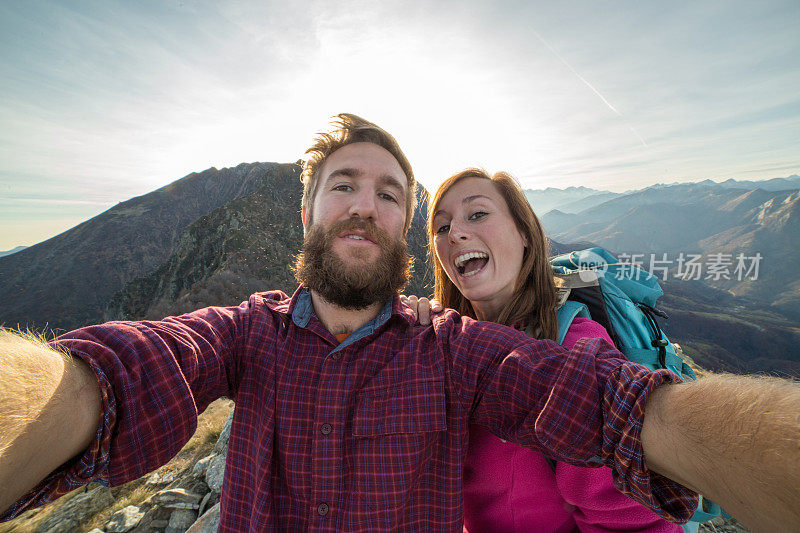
column 367, row 227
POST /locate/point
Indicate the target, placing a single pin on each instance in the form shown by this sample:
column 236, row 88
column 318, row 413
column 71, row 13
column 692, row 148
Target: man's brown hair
column 533, row 302
column 349, row 129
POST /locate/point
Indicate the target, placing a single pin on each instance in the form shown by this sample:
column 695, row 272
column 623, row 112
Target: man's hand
column 736, row 440
column 422, row 307
column 49, row 412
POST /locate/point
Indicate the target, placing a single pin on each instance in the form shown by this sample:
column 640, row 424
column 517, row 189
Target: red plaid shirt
column 366, row 435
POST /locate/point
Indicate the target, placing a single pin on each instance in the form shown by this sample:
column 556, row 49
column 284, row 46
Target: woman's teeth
column 470, row 259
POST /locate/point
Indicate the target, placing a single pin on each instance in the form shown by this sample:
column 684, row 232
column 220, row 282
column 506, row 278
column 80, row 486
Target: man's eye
column 443, row 229
column 477, row 215
column 342, row 188
column 388, row 197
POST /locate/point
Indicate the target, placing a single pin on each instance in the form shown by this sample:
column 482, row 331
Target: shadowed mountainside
column 66, row 281
column 724, row 332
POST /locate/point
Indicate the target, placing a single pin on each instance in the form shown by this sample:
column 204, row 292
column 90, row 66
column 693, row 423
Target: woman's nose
column 457, row 233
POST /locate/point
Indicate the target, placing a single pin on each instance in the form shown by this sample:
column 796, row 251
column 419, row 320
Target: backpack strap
column 700, row 515
column 650, row 357
column 566, row 314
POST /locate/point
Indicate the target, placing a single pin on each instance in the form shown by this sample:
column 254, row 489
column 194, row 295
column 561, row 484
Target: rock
column 222, row 442
column 215, row 473
column 182, row 505
column 95, row 530
column 124, row 519
column 181, row 520
column 201, row 466
column 157, row 479
column 208, row 523
column 70, row 516
column 203, row 503
column 722, row 525
column 168, row 496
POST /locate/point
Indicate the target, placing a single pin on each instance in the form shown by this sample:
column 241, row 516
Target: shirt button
column 322, row 509
column 335, row 357
column 325, row 429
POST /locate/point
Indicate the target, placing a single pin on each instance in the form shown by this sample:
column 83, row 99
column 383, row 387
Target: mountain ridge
column 65, row 281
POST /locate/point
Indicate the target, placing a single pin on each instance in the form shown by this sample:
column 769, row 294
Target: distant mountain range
column 213, row 238
column 569, row 200
column 12, row 251
column 577, row 199
column 707, row 219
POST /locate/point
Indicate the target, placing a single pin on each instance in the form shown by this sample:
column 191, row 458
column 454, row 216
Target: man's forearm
column 735, row 439
column 49, row 411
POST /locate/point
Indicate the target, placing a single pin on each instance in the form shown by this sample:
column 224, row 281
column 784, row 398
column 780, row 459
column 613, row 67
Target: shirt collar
column 302, row 309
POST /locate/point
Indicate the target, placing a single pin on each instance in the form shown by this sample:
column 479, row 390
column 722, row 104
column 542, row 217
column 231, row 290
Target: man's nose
column 364, row 206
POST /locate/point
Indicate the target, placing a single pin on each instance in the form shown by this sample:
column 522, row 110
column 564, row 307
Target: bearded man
column 349, row 415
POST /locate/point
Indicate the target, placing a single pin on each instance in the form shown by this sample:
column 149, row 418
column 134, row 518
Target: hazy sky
column 102, row 101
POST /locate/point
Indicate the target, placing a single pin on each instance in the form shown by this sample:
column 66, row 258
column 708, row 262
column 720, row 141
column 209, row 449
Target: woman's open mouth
column 470, row 263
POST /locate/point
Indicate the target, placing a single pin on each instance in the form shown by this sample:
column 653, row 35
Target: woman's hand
column 422, row 308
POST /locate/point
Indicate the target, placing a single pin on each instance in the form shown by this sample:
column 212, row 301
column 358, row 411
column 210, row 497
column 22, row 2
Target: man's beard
column 359, row 284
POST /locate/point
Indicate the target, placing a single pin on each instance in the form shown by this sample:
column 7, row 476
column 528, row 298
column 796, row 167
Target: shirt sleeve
column 154, row 377
column 584, row 407
column 599, row 506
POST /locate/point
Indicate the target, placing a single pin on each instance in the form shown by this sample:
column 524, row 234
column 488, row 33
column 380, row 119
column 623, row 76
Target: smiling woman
column 490, row 262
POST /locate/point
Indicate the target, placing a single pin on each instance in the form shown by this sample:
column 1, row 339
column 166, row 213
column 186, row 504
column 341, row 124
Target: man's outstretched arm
column 736, row 440
column 49, row 412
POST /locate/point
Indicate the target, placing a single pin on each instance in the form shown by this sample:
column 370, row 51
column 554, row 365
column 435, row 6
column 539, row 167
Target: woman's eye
column 443, row 229
column 478, row 214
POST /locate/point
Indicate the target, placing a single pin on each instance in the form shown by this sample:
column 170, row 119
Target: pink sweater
column 508, row 488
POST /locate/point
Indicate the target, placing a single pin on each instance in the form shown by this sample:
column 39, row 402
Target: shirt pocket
column 398, row 449
column 413, row 407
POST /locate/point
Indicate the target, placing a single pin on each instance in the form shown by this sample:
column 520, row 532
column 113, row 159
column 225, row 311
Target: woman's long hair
column 533, row 302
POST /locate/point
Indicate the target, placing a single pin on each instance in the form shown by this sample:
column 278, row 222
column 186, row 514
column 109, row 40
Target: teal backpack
column 592, row 283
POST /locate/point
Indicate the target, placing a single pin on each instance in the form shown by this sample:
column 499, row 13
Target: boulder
column 124, row 520
column 215, row 473
column 222, row 442
column 208, row 523
column 180, row 520
column 200, row 467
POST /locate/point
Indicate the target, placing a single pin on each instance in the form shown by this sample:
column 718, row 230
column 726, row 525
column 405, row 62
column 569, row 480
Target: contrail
column 637, row 135
column 589, row 85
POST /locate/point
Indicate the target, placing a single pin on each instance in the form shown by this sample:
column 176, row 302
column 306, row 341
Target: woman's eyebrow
column 465, row 201
column 469, row 199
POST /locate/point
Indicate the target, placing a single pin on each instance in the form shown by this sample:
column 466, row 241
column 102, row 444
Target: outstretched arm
column 735, row 439
column 49, row 412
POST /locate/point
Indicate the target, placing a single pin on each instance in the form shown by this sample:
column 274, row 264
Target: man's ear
column 303, row 215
